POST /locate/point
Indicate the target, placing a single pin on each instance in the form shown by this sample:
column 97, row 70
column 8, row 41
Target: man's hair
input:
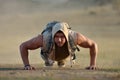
column 60, row 32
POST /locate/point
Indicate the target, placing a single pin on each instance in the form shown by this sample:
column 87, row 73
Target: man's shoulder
column 72, row 32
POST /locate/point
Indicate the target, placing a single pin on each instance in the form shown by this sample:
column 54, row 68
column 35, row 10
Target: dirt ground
column 20, row 21
column 12, row 72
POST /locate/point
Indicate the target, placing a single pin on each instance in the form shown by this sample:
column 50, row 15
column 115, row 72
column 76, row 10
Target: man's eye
column 62, row 36
column 59, row 37
column 56, row 36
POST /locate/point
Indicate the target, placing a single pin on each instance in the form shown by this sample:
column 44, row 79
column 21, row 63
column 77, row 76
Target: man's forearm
column 93, row 55
column 92, row 59
column 24, row 55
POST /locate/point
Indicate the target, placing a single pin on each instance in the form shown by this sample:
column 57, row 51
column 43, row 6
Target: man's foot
column 61, row 63
column 47, row 64
column 73, row 61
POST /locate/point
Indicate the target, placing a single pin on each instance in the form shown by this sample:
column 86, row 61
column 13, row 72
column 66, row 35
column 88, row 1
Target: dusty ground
column 75, row 73
column 18, row 24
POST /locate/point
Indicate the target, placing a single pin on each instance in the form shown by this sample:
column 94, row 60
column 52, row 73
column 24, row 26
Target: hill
column 30, row 6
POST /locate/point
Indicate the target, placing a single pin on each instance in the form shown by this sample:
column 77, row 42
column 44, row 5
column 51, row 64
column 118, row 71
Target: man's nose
column 59, row 39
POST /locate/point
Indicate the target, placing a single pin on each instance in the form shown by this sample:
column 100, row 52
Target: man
column 60, row 50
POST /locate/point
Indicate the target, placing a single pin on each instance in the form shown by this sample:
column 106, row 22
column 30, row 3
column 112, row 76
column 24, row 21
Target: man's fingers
column 91, row 68
column 29, row 68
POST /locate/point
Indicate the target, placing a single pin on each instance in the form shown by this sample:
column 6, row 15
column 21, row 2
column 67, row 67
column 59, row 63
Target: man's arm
column 31, row 44
column 88, row 43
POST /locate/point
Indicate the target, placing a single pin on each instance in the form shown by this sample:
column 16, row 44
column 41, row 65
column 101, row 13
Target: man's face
column 59, row 39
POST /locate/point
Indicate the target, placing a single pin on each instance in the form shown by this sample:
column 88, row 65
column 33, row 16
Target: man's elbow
column 95, row 46
column 22, row 47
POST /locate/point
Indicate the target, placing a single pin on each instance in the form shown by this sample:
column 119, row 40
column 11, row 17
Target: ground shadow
column 6, row 69
column 40, row 68
column 110, row 70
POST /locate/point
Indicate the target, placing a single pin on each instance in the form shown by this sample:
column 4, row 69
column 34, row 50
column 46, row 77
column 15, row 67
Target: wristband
column 27, row 65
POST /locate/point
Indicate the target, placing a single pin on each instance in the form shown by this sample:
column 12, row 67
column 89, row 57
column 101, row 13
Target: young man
column 61, row 49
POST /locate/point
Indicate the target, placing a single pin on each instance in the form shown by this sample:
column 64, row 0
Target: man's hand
column 28, row 67
column 91, row 68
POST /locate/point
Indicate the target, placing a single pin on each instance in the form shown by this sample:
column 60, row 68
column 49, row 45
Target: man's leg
column 73, row 58
column 48, row 62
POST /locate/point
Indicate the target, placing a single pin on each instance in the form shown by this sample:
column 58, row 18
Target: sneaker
column 48, row 64
column 73, row 61
column 61, row 64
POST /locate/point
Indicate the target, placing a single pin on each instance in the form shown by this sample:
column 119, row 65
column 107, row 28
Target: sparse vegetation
column 116, row 5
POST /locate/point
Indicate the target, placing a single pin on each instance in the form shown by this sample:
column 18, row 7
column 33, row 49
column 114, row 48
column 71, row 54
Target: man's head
column 60, row 33
column 59, row 38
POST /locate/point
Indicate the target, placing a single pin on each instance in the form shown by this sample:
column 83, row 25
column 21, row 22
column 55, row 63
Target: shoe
column 48, row 64
column 73, row 61
column 61, row 64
